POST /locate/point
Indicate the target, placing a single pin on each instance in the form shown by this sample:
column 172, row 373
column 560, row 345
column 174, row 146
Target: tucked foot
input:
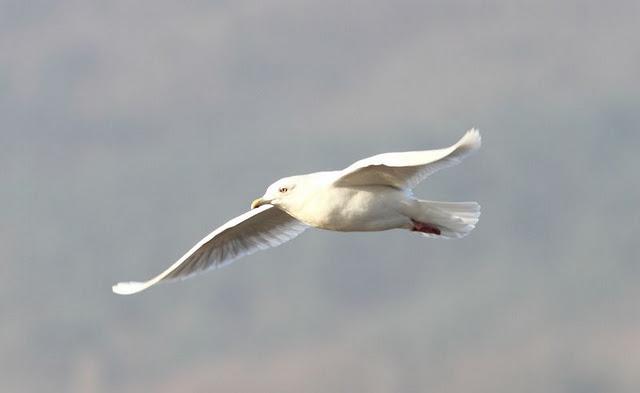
column 425, row 228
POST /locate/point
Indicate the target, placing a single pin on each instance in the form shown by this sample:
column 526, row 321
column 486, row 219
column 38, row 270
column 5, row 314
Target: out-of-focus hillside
column 128, row 131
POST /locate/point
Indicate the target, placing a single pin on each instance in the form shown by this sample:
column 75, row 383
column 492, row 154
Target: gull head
column 278, row 193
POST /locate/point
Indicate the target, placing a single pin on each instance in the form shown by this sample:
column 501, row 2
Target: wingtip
column 127, row 288
column 471, row 139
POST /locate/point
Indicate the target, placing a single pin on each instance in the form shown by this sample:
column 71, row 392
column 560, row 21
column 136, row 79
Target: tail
column 446, row 219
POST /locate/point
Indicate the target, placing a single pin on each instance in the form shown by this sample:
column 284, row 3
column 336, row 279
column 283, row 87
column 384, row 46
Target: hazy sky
column 130, row 129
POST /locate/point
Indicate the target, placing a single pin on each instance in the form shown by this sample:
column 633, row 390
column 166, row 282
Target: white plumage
column 257, row 229
column 373, row 194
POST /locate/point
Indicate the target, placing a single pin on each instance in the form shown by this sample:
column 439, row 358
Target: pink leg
column 425, row 228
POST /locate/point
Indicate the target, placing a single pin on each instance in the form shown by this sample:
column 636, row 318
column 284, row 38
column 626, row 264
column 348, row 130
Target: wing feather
column 257, row 229
column 406, row 169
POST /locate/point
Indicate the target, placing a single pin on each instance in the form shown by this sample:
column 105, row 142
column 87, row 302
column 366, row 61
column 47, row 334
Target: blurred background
column 129, row 130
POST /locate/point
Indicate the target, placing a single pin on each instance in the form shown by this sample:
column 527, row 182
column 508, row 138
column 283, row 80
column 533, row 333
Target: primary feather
column 257, row 229
column 406, row 169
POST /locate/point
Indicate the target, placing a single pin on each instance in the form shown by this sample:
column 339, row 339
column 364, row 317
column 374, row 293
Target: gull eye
column 283, row 189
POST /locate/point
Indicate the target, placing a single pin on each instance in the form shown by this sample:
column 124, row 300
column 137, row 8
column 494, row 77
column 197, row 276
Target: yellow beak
column 257, row 203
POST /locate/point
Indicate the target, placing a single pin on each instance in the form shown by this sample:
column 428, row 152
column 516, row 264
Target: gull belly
column 364, row 208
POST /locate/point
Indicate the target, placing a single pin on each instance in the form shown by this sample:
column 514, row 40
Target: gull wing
column 405, row 170
column 257, row 229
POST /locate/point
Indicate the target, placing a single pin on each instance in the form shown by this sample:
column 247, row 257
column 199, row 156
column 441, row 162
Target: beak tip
column 257, row 203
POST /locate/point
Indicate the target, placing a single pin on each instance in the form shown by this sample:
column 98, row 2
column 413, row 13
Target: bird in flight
column 373, row 194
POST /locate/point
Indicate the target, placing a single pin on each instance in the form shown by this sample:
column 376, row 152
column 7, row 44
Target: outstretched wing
column 405, row 170
column 257, row 229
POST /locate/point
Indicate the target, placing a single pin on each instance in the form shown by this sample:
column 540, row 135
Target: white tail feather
column 453, row 219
